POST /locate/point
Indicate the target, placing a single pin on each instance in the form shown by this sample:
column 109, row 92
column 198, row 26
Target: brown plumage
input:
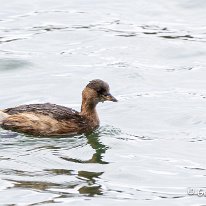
column 51, row 119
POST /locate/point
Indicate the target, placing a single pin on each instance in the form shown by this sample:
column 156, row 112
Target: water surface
column 151, row 144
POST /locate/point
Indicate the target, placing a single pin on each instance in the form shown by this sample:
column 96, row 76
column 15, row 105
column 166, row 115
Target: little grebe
column 51, row 119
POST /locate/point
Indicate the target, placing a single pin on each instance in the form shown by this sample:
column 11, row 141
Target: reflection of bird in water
column 52, row 120
column 86, row 180
column 93, row 188
column 94, row 140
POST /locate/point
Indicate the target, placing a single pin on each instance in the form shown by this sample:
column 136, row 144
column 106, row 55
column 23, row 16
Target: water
column 151, row 144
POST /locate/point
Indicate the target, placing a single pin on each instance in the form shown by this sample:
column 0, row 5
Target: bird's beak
column 109, row 97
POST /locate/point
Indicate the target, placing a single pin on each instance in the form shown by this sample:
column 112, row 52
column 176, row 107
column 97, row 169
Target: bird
column 54, row 120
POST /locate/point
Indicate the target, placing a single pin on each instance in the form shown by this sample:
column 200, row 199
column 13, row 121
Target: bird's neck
column 88, row 110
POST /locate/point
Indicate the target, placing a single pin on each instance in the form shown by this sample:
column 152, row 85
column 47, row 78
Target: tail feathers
column 3, row 116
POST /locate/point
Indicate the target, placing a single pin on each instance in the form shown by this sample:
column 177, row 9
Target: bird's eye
column 102, row 91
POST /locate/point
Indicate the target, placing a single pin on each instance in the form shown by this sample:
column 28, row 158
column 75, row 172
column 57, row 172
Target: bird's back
column 44, row 119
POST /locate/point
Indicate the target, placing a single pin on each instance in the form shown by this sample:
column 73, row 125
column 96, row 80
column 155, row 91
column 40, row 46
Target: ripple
column 195, row 168
column 12, row 64
column 186, row 68
column 184, row 37
column 6, row 40
column 49, row 28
